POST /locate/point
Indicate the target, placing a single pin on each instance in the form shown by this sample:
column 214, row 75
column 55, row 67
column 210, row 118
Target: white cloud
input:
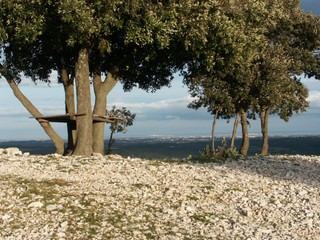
column 174, row 108
column 5, row 111
column 51, row 110
column 172, row 117
column 314, row 98
column 25, row 81
column 156, row 105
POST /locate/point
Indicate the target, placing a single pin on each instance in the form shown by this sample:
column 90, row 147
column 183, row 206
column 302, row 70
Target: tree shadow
column 292, row 168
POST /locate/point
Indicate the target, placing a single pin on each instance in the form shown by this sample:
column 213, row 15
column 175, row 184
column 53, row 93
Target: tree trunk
column 110, row 143
column 84, row 123
column 245, row 135
column 213, row 150
column 101, row 90
column 70, row 108
column 56, row 139
column 264, row 118
column 234, row 131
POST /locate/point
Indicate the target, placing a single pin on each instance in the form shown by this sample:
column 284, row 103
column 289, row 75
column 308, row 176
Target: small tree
column 212, row 94
column 124, row 119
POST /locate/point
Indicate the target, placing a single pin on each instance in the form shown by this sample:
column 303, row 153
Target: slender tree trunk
column 245, row 135
column 56, row 139
column 110, row 142
column 101, row 90
column 234, row 131
column 264, row 118
column 70, row 107
column 84, row 123
column 213, row 150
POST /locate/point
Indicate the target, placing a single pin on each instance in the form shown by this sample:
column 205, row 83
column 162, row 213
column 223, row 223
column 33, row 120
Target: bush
column 220, row 155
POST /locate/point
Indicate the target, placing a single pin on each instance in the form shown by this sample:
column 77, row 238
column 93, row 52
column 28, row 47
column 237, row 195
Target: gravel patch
column 109, row 197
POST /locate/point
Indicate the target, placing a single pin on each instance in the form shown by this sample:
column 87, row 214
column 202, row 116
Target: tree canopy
column 257, row 61
column 128, row 41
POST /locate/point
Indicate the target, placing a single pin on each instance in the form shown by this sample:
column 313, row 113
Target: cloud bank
column 168, row 109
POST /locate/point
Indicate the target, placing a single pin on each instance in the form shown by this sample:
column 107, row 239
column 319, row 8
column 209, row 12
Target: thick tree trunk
column 101, row 90
column 234, row 131
column 213, row 150
column 56, row 139
column 70, row 108
column 264, row 118
column 245, row 135
column 84, row 123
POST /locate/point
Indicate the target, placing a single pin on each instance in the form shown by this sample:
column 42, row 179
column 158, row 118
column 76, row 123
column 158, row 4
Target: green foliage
column 25, row 21
column 220, row 155
column 251, row 53
column 3, row 34
column 78, row 16
column 221, row 76
column 136, row 40
column 234, row 55
column 124, row 119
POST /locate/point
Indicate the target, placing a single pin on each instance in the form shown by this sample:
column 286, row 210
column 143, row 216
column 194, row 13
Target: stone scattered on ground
column 111, row 197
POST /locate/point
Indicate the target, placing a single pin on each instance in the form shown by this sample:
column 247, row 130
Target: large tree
column 139, row 52
column 225, row 61
column 46, row 51
column 256, row 60
column 289, row 51
column 276, row 91
column 20, row 28
column 212, row 94
column 131, row 42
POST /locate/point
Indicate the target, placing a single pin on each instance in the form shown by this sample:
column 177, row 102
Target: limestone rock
column 112, row 197
column 12, row 151
column 35, row 205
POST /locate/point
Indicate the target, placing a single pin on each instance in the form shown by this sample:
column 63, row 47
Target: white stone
column 26, row 154
column 64, row 224
column 265, row 230
column 35, row 205
column 191, row 202
column 51, row 207
column 98, row 155
column 6, row 217
column 303, row 192
column 190, row 209
column 61, row 235
column 12, row 151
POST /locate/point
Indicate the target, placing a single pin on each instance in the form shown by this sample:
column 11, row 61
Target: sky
column 311, row 6
column 164, row 113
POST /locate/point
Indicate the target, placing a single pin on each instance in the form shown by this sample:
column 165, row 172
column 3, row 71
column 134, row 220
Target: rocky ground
column 56, row 197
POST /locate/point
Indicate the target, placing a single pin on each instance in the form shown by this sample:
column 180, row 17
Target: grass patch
column 192, row 198
column 141, row 185
column 30, row 189
column 155, row 163
column 235, row 189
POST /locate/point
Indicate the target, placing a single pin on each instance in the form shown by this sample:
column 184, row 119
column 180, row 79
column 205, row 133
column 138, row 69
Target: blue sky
column 163, row 113
column 311, row 6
